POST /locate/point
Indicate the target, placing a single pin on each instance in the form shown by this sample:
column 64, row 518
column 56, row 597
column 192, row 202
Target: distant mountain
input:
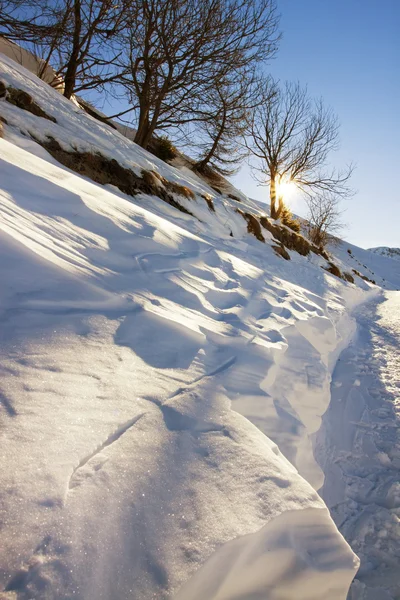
column 385, row 251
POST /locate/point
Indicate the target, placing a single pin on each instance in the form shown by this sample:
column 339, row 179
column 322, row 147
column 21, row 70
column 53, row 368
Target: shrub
column 316, row 236
column 163, row 148
column 290, row 239
column 288, row 219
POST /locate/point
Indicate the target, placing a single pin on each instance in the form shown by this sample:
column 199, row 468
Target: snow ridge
column 110, row 440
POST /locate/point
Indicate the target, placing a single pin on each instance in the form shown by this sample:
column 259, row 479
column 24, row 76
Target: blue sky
column 348, row 53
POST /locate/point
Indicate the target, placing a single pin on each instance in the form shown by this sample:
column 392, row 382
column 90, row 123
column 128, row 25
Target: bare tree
column 86, row 53
column 178, row 49
column 292, row 137
column 324, row 218
column 25, row 21
column 78, row 37
column 224, row 125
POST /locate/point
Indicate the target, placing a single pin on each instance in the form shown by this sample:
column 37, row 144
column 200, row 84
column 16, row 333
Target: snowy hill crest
column 385, row 251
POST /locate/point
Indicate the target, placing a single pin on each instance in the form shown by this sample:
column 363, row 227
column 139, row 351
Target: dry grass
column 25, row 101
column 3, row 89
column 290, row 239
column 181, row 190
column 163, row 148
column 334, row 270
column 209, row 201
column 104, row 170
column 91, row 110
column 214, row 179
column 233, row 197
column 281, row 251
column 253, row 225
column 348, row 277
column 154, row 179
column 288, row 219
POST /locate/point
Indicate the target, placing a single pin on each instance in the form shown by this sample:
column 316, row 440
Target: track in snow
column 362, row 448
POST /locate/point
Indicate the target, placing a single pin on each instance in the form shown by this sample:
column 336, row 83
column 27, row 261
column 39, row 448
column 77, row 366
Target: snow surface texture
column 146, row 355
column 359, row 449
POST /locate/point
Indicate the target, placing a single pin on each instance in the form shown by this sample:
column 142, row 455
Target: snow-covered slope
column 163, row 377
column 385, row 251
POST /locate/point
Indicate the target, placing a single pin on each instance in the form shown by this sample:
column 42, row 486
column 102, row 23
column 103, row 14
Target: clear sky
column 348, row 53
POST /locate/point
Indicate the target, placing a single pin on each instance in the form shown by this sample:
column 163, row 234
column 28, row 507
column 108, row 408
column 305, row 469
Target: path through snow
column 359, row 449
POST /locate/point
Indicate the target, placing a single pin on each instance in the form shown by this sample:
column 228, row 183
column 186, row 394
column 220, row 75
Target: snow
column 359, row 447
column 385, row 251
column 162, row 384
column 300, row 541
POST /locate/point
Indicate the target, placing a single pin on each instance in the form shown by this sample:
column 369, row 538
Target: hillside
column 389, row 252
column 164, row 374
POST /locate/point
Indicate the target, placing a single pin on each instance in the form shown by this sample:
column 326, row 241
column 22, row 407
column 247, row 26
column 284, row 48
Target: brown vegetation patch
column 253, row 225
column 334, row 270
column 108, row 171
column 25, row 101
column 209, row 201
column 3, row 89
column 154, row 179
column 214, row 179
column 163, row 148
column 287, row 218
column 348, row 277
column 320, row 251
column 233, row 197
column 181, row 190
column 364, row 277
column 281, row 251
column 287, row 237
column 151, row 178
column 291, row 239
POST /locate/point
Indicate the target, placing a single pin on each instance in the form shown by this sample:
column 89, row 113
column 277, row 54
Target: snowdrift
column 163, row 377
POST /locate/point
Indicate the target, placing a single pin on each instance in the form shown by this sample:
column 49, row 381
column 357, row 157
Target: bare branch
column 292, row 138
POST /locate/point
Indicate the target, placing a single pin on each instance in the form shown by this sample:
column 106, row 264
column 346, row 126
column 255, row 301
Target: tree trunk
column 142, row 133
column 147, row 137
column 210, row 154
column 70, row 76
column 272, row 197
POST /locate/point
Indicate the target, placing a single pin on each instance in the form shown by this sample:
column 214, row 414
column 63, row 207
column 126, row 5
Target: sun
column 286, row 188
